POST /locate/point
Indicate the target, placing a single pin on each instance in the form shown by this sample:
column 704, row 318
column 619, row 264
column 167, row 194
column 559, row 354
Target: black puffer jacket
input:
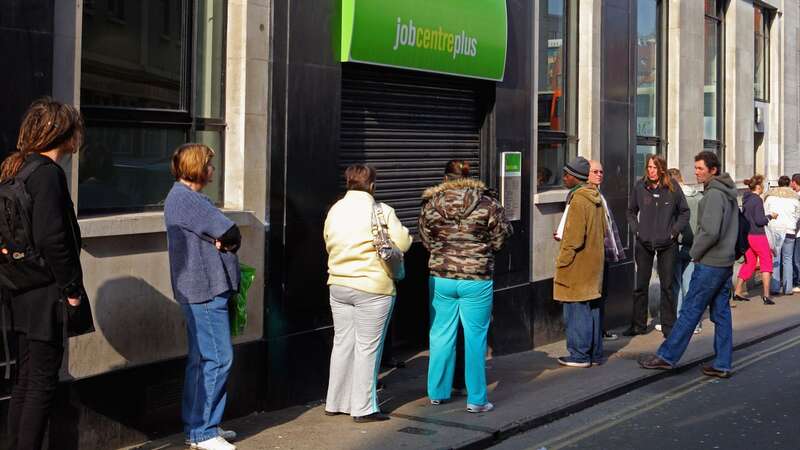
column 39, row 312
column 657, row 215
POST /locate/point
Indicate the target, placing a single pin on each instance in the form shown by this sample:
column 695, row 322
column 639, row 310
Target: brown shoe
column 712, row 372
column 651, row 361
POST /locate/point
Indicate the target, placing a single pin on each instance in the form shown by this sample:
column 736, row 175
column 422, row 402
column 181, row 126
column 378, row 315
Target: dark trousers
column 644, row 255
column 34, row 392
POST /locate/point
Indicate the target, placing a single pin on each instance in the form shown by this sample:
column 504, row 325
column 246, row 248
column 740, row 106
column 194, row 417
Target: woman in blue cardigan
column 204, row 269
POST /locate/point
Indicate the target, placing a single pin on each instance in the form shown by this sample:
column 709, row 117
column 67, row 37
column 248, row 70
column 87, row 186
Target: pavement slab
column 528, row 389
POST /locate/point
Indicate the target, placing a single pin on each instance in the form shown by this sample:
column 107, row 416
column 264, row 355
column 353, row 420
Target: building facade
column 289, row 95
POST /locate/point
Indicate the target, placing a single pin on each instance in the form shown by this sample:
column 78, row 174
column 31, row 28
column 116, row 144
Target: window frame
column 661, row 82
column 567, row 137
column 182, row 118
column 718, row 145
column 767, row 15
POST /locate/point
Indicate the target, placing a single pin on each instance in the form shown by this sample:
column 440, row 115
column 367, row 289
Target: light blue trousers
column 470, row 302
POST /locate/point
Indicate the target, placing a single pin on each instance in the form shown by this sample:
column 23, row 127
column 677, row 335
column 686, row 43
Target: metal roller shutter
column 408, row 125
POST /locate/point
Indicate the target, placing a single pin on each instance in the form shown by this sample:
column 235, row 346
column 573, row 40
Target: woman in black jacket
column 50, row 131
column 657, row 213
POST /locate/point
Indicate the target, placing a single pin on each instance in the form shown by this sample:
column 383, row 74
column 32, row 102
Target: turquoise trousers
column 470, row 302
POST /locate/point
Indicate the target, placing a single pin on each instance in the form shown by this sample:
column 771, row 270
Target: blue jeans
column 796, row 262
column 709, row 286
column 207, row 368
column 782, row 268
column 584, row 330
column 684, row 267
column 470, row 302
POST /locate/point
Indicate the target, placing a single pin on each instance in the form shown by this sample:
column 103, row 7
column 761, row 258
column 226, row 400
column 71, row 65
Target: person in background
column 50, row 133
column 713, row 252
column 759, row 251
column 578, row 279
column 783, row 202
column 202, row 244
column 614, row 252
column 362, row 296
column 795, row 185
column 684, row 267
column 657, row 212
column 463, row 225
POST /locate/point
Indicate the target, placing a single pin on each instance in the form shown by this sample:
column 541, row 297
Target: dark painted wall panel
column 26, row 43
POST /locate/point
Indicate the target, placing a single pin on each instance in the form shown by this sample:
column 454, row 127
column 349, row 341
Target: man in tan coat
column 579, row 268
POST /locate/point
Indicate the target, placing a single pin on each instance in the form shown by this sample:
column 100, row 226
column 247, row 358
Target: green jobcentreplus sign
column 458, row 37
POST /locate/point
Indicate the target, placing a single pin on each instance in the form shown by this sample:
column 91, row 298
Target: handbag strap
column 379, row 226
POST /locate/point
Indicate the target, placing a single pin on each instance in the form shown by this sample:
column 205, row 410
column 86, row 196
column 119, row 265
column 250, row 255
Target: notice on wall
column 511, row 184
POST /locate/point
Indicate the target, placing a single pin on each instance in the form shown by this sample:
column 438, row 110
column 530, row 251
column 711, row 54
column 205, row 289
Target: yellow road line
column 644, row 406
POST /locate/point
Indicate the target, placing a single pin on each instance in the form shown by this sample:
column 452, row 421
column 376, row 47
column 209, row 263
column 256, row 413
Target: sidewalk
column 528, row 389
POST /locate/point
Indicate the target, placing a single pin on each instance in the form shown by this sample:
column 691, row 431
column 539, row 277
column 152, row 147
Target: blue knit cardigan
column 199, row 271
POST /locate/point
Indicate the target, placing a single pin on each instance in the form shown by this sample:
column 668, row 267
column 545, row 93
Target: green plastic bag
column 237, row 308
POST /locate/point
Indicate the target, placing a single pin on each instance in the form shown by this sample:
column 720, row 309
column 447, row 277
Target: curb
column 526, row 424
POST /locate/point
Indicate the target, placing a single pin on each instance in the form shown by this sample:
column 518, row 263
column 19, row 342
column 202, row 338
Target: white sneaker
column 215, row 443
column 228, row 435
column 480, row 408
column 698, row 330
column 658, row 327
column 796, row 290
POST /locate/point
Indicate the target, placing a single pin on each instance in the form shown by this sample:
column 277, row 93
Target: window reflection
column 647, row 68
column 552, row 60
column 132, row 53
column 760, row 53
column 711, row 86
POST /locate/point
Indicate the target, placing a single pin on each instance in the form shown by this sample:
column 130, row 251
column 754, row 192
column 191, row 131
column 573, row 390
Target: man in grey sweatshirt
column 713, row 253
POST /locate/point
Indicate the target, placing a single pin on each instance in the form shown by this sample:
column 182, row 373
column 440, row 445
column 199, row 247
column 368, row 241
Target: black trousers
column 644, row 255
column 34, row 392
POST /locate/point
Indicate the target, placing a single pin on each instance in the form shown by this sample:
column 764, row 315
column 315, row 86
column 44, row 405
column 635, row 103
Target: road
column 757, row 408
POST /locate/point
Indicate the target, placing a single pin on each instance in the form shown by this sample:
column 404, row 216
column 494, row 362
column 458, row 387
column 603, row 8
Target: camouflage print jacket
column 462, row 224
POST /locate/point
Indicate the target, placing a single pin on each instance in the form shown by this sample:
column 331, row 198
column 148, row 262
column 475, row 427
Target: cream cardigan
column 352, row 260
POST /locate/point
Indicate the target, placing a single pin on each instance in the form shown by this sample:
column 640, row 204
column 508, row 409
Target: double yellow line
column 644, row 406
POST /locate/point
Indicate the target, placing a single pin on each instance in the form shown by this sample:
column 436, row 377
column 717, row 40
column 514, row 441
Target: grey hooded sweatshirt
column 717, row 224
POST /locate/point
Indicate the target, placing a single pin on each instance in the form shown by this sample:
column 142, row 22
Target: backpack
column 22, row 267
column 741, row 237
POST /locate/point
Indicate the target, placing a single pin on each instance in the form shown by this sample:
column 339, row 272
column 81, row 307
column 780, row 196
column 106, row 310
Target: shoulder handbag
column 391, row 257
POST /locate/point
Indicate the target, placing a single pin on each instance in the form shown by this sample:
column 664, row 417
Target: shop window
column 761, row 17
column 712, row 76
column 556, row 89
column 146, row 88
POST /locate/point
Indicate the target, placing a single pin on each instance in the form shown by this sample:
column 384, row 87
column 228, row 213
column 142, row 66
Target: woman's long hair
column 47, row 125
column 663, row 174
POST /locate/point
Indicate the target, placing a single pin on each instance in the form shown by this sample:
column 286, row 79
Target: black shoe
column 374, row 417
column 633, row 332
column 739, row 298
column 712, row 372
column 332, row 413
column 393, row 364
column 767, row 300
column 380, row 386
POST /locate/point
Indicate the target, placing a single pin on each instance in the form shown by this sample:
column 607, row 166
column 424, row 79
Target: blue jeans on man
column 207, row 368
column 796, row 258
column 710, row 286
column 584, row 331
column 783, row 268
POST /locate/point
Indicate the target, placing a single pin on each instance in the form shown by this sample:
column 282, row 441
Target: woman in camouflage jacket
column 463, row 225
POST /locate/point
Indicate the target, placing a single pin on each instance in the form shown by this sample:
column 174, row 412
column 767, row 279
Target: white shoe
column 480, row 408
column 215, row 443
column 658, row 327
column 698, row 330
column 796, row 290
column 228, row 435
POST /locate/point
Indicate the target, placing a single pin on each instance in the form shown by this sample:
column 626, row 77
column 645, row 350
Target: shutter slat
column 407, row 125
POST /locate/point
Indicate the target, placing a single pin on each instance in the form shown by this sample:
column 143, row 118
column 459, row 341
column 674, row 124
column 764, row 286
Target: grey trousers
column 360, row 320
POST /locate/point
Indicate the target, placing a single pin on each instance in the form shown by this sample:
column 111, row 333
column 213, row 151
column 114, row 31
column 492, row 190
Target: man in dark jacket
column 657, row 213
column 713, row 253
